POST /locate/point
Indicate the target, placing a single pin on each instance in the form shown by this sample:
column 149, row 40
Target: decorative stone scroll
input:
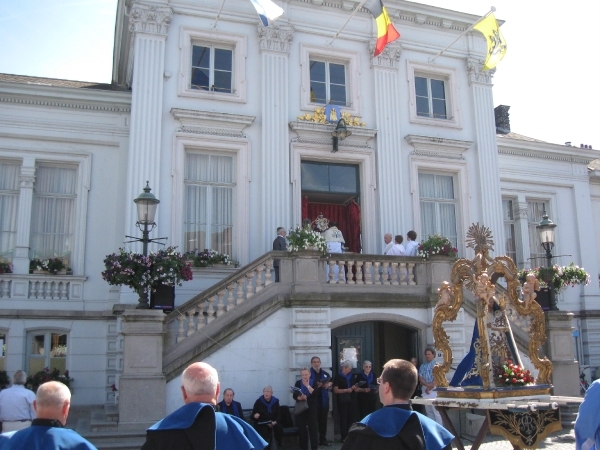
column 275, row 38
column 149, row 19
column 476, row 72
column 388, row 58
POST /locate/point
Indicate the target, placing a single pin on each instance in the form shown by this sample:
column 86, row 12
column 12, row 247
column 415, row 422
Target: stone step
column 116, row 440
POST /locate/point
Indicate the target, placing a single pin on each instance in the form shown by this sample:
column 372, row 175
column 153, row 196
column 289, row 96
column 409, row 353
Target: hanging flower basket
column 436, row 245
column 559, row 277
column 300, row 238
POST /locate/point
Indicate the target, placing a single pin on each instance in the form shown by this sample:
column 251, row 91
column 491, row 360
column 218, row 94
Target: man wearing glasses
column 396, row 426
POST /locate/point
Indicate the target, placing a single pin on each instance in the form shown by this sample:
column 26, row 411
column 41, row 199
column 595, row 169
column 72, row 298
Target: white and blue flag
column 267, row 10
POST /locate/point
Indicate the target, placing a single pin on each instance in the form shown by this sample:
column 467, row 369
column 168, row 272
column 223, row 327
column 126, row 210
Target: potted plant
column 436, row 245
column 303, row 238
column 142, row 273
column 55, row 266
column 34, row 381
column 5, row 267
column 559, row 277
column 209, row 257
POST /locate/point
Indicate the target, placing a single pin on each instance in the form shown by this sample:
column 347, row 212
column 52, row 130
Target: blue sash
column 389, row 421
column 368, row 379
column 270, row 404
column 324, row 392
column 223, row 407
column 347, row 377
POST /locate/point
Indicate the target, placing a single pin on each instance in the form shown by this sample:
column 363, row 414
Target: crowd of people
column 397, row 248
column 205, row 423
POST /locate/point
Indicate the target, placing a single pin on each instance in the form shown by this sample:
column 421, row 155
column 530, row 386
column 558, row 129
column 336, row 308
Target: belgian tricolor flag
column 386, row 32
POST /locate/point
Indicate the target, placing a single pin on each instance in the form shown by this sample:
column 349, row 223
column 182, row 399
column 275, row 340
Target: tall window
column 438, row 206
column 46, row 349
column 9, row 203
column 535, row 211
column 209, row 202
column 430, row 97
column 509, row 229
column 212, row 69
column 53, row 212
column 327, row 83
column 2, row 351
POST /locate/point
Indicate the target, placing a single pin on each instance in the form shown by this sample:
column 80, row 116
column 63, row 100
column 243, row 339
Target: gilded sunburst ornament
column 480, row 239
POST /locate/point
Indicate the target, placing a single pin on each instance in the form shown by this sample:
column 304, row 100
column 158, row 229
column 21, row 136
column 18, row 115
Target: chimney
column 502, row 119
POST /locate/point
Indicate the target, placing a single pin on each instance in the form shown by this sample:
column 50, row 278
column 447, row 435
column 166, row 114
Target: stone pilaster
column 276, row 189
column 148, row 25
column 565, row 373
column 487, row 151
column 392, row 206
column 142, row 385
column 27, row 179
column 520, row 210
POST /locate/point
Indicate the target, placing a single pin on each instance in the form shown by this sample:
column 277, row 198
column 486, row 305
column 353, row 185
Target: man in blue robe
column 587, row 425
column 47, row 432
column 396, row 426
column 196, row 425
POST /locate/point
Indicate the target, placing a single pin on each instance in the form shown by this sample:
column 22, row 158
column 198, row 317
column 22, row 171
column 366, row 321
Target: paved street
column 561, row 440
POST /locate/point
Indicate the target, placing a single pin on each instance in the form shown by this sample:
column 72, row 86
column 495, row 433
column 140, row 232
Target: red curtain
column 347, row 217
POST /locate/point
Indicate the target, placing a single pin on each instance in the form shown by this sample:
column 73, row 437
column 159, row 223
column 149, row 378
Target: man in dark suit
column 196, row 425
column 229, row 406
column 396, row 426
column 279, row 244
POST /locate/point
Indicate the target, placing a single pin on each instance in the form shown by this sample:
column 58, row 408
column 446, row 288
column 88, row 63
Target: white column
column 275, row 155
column 487, row 151
column 392, row 206
column 149, row 26
column 27, row 178
column 523, row 250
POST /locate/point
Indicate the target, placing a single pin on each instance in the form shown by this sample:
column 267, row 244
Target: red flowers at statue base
column 510, row 374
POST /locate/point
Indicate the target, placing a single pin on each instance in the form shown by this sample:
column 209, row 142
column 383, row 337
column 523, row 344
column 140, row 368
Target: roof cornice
column 544, row 150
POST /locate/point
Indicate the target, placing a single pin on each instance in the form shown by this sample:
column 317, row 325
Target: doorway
column 374, row 341
column 333, row 190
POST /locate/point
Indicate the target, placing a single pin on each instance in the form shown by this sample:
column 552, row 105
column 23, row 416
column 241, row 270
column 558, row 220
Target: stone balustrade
column 299, row 272
column 41, row 287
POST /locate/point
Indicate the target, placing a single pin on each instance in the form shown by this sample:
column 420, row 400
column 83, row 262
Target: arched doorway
column 376, row 341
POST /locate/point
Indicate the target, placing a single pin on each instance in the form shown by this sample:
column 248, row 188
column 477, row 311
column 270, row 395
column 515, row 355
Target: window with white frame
column 433, row 95
column 2, row 350
column 213, row 65
column 430, row 95
column 46, row 348
column 509, row 229
column 209, row 202
column 329, row 77
column 327, row 83
column 535, row 211
column 212, row 69
column 9, row 204
column 53, row 212
column 438, row 205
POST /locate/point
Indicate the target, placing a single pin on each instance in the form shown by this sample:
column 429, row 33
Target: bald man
column 196, row 425
column 47, row 432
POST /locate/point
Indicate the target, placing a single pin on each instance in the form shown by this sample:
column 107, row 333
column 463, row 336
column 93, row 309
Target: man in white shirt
column 388, row 243
column 16, row 404
column 412, row 245
column 397, row 249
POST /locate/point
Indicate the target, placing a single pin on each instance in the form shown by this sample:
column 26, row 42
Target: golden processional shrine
column 491, row 376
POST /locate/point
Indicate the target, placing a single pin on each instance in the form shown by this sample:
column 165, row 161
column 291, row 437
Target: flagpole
column 218, row 15
column 349, row 18
column 492, row 10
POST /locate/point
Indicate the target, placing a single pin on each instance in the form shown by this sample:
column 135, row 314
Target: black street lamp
column 340, row 133
column 546, row 230
column 146, row 204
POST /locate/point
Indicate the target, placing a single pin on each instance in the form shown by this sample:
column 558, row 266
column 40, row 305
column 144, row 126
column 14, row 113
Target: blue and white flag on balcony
column 267, row 10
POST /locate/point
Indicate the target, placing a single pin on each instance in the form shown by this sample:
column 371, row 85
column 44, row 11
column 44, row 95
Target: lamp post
column 340, row 133
column 546, row 229
column 146, row 205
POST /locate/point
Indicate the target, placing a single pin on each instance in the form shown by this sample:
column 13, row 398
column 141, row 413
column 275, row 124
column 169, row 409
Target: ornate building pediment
column 212, row 123
column 438, row 147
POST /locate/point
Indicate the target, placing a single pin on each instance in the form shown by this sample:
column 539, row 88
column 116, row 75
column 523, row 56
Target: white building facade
column 210, row 108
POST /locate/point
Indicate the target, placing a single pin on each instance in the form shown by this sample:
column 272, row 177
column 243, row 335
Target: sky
column 549, row 76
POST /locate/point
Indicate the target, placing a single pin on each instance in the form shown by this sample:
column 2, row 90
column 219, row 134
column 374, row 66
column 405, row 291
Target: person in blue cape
column 307, row 421
column 345, row 391
column 47, row 432
column 587, row 425
column 396, row 426
column 322, row 383
column 229, row 406
column 266, row 415
column 196, row 425
column 367, row 390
